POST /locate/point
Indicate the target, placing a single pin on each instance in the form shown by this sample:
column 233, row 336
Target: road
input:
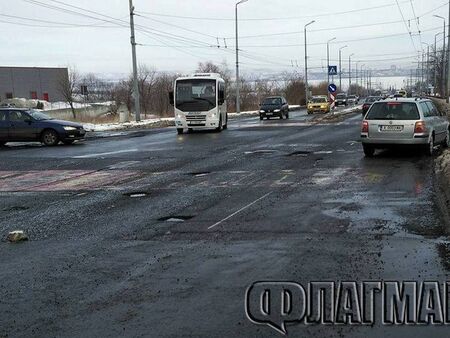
column 159, row 235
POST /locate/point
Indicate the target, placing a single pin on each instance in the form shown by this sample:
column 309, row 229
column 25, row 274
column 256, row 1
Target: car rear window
column 393, row 111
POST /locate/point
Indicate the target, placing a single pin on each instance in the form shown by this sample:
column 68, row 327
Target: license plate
column 196, row 123
column 269, row 113
column 391, row 128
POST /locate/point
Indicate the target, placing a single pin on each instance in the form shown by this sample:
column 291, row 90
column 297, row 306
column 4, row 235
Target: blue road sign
column 332, row 70
column 332, row 88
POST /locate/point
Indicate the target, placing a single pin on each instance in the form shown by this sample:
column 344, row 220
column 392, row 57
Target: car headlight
column 262, row 111
column 276, row 110
column 179, row 116
column 67, row 128
column 323, row 106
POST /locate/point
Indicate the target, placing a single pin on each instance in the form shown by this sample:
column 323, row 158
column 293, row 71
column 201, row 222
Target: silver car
column 399, row 121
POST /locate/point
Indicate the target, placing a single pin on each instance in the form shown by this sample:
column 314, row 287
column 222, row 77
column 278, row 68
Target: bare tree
column 68, row 86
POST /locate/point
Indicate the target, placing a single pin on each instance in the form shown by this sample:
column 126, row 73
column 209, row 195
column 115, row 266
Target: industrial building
column 32, row 83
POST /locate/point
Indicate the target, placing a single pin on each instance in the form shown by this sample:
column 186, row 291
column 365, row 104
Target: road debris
column 17, row 236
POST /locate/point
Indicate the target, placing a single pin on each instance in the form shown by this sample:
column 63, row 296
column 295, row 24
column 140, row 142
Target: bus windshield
column 196, row 95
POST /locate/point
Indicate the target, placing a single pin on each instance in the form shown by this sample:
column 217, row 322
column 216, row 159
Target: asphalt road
column 159, row 235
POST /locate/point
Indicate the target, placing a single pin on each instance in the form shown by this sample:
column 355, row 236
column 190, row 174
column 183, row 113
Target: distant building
column 32, row 83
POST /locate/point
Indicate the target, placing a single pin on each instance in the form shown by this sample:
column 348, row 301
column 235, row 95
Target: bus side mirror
column 171, row 98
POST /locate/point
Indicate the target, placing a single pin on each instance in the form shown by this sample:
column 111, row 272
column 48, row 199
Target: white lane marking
column 240, row 210
column 105, row 154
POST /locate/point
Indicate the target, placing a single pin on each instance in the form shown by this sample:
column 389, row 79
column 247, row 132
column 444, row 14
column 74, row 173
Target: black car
column 341, row 100
column 274, row 106
column 368, row 103
column 25, row 125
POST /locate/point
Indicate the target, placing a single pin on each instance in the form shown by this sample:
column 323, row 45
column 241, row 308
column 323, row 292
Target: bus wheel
column 220, row 127
column 180, row 131
column 225, row 127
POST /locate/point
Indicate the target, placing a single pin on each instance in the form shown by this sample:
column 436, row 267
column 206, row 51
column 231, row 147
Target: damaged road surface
column 161, row 235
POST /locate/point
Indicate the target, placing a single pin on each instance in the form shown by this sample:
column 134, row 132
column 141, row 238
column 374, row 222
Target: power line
column 406, row 25
column 274, row 18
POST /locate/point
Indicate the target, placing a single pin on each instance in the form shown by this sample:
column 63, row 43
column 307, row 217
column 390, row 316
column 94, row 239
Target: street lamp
column 444, row 90
column 435, row 61
column 328, row 58
column 428, row 66
column 306, row 64
column 340, row 67
column 238, row 98
column 350, row 72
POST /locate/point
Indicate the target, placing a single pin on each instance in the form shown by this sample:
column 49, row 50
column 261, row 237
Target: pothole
column 175, row 219
column 300, row 153
column 137, row 194
column 16, row 208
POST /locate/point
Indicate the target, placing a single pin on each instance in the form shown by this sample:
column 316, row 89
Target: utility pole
column 137, row 102
column 443, row 82
column 448, row 58
column 238, row 84
column 435, row 84
column 350, row 72
column 306, row 64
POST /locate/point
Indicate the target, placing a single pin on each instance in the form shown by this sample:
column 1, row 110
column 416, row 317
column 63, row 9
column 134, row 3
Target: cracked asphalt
column 154, row 234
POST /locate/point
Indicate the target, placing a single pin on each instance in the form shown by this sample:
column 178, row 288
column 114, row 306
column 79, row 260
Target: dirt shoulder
column 442, row 170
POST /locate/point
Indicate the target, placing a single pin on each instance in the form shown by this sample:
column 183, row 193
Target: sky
column 175, row 35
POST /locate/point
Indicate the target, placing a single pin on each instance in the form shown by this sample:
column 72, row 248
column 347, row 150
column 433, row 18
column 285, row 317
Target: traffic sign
column 332, row 88
column 332, row 70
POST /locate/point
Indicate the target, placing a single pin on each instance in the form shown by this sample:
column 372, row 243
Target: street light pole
column 136, row 95
column 444, row 90
column 238, row 84
column 340, row 67
column 350, row 72
column 328, row 58
column 306, row 64
column 435, row 62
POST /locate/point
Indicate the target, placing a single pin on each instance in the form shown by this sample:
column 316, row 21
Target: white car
column 415, row 122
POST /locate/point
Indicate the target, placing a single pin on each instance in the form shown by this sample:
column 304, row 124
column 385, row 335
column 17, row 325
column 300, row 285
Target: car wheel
column 68, row 142
column 369, row 151
column 50, row 137
column 180, row 131
column 429, row 148
column 261, row 117
column 446, row 143
column 281, row 116
column 225, row 127
column 287, row 116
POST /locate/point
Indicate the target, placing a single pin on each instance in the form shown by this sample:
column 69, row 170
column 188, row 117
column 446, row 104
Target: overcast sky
column 92, row 45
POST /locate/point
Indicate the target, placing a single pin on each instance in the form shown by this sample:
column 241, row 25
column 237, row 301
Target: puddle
column 263, row 151
column 175, row 219
column 301, row 153
column 136, row 194
column 200, row 174
column 16, row 208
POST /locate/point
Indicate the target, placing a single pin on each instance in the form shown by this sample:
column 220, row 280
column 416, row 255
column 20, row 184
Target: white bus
column 199, row 103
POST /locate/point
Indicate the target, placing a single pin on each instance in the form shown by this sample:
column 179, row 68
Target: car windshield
column 393, row 111
column 341, row 96
column 38, row 115
column 352, row 97
column 272, row 101
column 319, row 100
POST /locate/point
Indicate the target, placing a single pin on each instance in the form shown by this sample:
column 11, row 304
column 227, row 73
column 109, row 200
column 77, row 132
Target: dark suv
column 25, row 125
column 341, row 100
column 274, row 106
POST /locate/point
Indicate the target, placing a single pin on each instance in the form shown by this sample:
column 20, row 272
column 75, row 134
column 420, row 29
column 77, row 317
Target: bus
column 199, row 103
